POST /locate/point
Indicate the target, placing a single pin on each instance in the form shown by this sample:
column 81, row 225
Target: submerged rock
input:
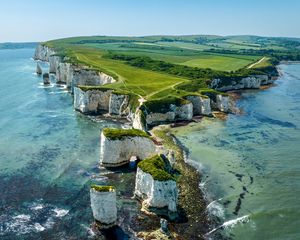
column 104, row 204
column 46, row 79
column 164, row 226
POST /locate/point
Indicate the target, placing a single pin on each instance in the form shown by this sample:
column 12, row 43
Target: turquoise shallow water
column 251, row 164
column 48, row 156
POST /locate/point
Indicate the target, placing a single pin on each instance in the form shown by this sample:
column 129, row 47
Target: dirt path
column 258, row 62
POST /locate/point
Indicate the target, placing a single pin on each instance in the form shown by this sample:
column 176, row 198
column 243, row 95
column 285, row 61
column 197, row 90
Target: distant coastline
column 12, row 45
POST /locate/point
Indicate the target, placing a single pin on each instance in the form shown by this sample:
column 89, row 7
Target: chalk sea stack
column 46, row 79
column 119, row 145
column 104, row 205
column 156, row 186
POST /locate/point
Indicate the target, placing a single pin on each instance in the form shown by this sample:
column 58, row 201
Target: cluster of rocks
column 156, row 194
column 70, row 74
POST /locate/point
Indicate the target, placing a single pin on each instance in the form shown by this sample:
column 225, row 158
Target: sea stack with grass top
column 156, row 186
column 119, row 145
column 104, row 205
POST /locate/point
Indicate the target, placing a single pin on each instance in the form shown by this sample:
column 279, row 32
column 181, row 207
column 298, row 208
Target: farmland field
column 155, row 66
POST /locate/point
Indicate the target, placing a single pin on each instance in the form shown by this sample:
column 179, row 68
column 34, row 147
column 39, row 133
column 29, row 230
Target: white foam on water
column 22, row 217
column 230, row 224
column 61, row 86
column 216, row 209
column 19, row 224
column 38, row 206
column 49, row 223
column 233, row 222
column 59, row 92
column 89, row 230
column 38, row 227
column 60, row 212
column 41, row 85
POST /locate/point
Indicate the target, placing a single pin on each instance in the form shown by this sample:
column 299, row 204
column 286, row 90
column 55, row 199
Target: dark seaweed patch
column 269, row 120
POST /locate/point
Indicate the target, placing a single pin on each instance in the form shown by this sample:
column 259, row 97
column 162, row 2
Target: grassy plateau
column 156, row 67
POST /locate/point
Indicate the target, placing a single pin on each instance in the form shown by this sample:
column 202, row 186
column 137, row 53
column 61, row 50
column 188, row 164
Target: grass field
column 220, row 54
column 131, row 79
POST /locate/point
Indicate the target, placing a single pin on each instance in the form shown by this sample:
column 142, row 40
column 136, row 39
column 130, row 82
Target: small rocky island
column 166, row 187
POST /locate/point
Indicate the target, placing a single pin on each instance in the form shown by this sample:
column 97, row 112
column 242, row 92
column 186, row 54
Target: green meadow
column 155, row 67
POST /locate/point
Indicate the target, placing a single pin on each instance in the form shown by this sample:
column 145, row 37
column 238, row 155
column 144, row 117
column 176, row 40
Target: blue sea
column 49, row 156
column 250, row 163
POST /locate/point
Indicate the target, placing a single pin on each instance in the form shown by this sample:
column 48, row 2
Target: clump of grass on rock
column 119, row 134
column 156, row 167
column 100, row 188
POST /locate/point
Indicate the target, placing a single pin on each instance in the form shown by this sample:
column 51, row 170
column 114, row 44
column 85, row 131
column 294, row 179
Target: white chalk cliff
column 251, row 82
column 91, row 101
column 158, row 194
column 118, row 152
column 69, row 74
column 183, row 112
column 100, row 101
column 222, row 103
column 104, row 206
column 201, row 105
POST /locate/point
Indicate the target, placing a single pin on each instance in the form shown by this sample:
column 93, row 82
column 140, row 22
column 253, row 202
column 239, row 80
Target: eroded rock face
column 54, row 63
column 90, row 77
column 222, row 103
column 158, row 194
column 251, row 82
column 201, row 105
column 43, row 53
column 138, row 121
column 183, row 112
column 64, row 73
column 69, row 74
column 114, row 153
column 118, row 104
column 91, row 101
column 104, row 206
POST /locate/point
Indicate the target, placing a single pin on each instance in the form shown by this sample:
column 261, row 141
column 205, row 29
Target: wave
column 58, row 92
column 60, row 212
column 42, row 216
column 229, row 224
column 216, row 209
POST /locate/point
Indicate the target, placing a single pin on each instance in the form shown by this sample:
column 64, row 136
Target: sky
column 41, row 20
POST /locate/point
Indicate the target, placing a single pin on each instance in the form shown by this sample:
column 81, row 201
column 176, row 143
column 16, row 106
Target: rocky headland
column 165, row 185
